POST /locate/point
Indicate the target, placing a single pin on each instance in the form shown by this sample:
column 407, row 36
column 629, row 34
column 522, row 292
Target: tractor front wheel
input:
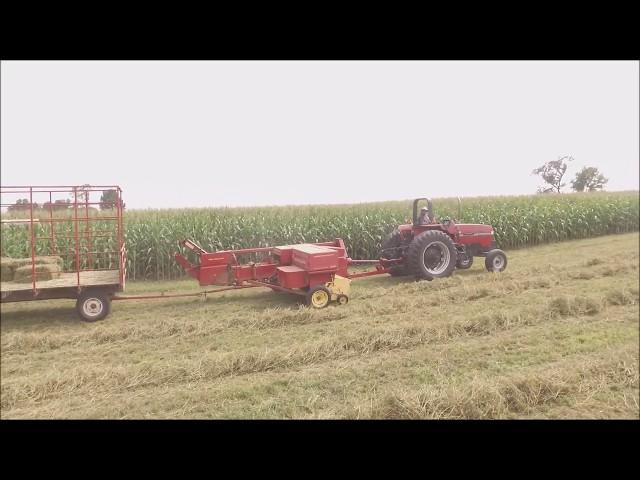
column 495, row 261
column 432, row 254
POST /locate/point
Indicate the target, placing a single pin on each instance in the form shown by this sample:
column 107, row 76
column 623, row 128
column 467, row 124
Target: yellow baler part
column 339, row 286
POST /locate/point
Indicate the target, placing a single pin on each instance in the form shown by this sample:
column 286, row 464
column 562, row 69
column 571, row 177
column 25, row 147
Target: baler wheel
column 318, row 297
column 432, row 254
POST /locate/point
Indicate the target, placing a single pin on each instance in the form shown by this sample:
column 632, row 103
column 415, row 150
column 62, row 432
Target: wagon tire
column 496, row 260
column 394, row 242
column 318, row 296
column 93, row 305
column 439, row 244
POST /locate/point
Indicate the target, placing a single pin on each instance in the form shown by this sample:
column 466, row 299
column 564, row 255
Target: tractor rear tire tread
column 415, row 254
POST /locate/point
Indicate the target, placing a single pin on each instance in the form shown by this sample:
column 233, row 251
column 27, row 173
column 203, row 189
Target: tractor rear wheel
column 432, row 254
column 391, row 249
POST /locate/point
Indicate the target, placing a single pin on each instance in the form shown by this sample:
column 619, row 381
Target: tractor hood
column 453, row 228
column 474, row 228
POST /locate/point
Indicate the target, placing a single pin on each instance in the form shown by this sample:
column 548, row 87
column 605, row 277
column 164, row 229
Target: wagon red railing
column 79, row 228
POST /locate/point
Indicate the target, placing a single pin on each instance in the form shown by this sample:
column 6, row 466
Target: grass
column 554, row 336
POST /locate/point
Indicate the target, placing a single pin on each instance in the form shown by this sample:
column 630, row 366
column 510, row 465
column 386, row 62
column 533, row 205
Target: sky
column 198, row 134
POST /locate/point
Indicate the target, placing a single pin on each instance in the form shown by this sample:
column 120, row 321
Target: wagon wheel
column 93, row 305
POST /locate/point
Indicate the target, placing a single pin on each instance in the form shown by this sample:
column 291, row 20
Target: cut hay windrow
column 153, row 236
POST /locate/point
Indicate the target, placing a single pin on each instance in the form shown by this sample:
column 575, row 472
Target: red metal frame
column 462, row 234
column 287, row 268
column 72, row 215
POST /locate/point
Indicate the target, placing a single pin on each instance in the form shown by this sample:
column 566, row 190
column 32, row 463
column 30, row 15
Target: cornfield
column 152, row 236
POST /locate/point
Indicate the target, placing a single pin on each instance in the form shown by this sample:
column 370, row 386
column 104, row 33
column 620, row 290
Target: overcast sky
column 178, row 134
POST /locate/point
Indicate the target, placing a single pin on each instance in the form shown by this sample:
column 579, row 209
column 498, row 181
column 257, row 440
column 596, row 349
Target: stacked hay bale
column 7, row 268
column 19, row 269
column 44, row 271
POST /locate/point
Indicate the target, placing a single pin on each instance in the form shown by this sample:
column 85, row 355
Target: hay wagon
column 63, row 242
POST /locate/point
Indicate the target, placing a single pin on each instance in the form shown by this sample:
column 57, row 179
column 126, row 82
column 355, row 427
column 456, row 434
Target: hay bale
column 18, row 262
column 39, row 260
column 51, row 259
column 6, row 272
column 7, row 261
column 44, row 271
column 7, row 268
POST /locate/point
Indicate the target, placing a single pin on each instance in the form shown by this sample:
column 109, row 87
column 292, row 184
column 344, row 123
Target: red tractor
column 430, row 249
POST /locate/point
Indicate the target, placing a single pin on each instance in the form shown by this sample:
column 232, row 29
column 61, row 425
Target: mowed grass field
column 554, row 336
